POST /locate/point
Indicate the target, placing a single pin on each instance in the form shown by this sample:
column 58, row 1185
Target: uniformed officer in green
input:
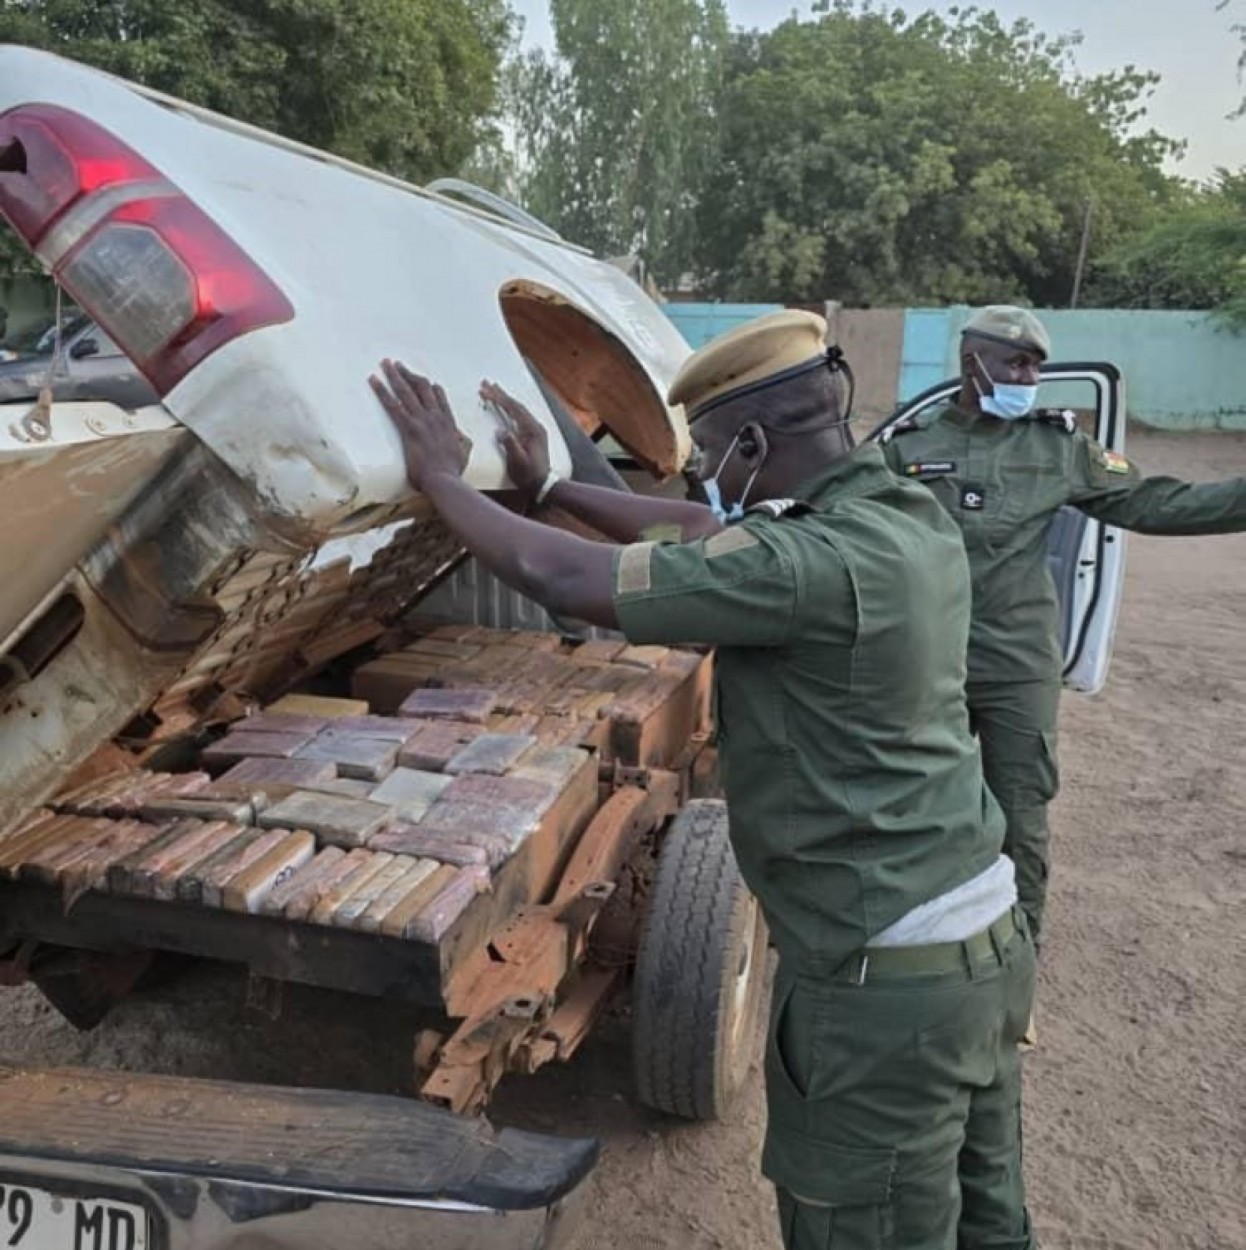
column 837, row 596
column 1001, row 470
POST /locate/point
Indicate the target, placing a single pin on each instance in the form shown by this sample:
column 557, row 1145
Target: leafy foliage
column 1193, row 257
column 876, row 159
column 615, row 132
column 1239, row 29
column 399, row 85
column 861, row 155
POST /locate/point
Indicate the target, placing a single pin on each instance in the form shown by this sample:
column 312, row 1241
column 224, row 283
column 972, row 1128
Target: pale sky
column 1188, row 42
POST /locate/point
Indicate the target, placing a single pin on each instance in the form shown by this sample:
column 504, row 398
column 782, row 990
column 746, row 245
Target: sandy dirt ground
column 1136, row 1097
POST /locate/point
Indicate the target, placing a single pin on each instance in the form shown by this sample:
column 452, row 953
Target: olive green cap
column 1010, row 325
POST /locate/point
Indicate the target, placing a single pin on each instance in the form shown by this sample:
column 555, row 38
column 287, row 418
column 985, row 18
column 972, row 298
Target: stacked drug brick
column 323, row 811
column 620, row 700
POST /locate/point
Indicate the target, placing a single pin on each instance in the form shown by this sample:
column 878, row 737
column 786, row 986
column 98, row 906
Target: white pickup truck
column 217, row 521
column 217, row 515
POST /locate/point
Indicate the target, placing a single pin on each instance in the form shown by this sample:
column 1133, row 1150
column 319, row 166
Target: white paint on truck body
column 374, row 268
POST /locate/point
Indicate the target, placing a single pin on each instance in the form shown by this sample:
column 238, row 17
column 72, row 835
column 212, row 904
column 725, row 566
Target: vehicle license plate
column 37, row 1219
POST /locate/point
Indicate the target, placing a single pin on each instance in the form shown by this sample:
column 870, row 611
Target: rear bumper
column 218, row 1166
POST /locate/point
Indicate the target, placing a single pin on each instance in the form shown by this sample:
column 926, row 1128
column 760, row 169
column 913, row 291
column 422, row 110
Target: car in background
column 38, row 339
column 89, row 363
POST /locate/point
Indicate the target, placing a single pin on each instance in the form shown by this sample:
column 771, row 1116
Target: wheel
column 699, row 972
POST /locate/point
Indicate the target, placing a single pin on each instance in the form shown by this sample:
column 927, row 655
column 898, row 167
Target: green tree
column 1194, row 256
column 400, row 85
column 615, row 132
column 1239, row 29
column 876, row 159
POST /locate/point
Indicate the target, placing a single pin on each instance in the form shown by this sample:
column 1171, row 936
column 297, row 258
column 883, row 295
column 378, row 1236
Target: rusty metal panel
column 474, row 596
column 61, row 495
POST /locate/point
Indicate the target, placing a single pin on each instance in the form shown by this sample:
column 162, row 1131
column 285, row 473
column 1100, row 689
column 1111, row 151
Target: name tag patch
column 972, row 498
column 922, row 467
column 633, row 575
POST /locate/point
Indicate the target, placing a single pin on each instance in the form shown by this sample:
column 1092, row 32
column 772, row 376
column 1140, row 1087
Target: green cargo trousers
column 894, row 1097
column 1016, row 727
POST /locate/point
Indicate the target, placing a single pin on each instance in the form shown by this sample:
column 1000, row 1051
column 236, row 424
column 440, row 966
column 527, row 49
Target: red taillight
column 66, row 158
column 150, row 266
column 170, row 286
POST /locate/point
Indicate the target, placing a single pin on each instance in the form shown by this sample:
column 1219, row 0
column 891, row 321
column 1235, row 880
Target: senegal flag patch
column 1113, row 462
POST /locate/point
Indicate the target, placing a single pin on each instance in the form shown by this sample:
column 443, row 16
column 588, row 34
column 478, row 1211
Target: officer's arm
column 606, row 505
column 568, row 575
column 1110, row 488
column 744, row 587
column 733, row 588
column 627, row 518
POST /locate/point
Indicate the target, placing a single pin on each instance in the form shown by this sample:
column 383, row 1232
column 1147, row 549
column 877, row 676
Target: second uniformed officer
column 838, row 600
column 1002, row 471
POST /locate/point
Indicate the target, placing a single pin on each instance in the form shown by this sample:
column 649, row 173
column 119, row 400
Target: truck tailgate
column 131, row 1162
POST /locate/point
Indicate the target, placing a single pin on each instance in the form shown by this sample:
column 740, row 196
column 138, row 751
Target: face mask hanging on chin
column 713, row 493
column 726, row 516
column 1009, row 402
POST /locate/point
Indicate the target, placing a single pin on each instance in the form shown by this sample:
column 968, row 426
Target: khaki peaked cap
column 768, row 350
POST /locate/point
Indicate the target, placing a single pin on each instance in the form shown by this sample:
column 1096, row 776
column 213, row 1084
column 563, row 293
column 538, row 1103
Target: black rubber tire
column 700, row 971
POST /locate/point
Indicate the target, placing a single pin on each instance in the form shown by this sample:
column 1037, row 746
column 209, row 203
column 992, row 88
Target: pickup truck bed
column 445, row 826
column 402, row 844
column 512, row 843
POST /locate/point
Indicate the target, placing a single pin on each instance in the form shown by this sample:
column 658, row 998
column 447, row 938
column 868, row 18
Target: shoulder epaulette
column 777, row 508
column 914, row 421
column 903, row 426
column 1062, row 418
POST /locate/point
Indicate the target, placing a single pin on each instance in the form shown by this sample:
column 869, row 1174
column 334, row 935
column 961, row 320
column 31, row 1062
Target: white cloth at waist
column 960, row 913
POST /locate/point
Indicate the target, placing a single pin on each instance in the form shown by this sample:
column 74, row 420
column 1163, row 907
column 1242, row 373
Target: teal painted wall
column 1183, row 370
column 699, row 323
column 924, row 355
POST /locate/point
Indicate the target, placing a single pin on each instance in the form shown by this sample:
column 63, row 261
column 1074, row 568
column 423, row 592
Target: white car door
column 1086, row 557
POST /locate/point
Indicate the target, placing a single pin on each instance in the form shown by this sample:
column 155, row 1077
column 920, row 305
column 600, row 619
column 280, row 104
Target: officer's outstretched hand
column 522, row 440
column 432, row 443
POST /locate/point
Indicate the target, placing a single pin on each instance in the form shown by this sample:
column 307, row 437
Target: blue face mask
column 714, row 498
column 713, row 493
column 1009, row 402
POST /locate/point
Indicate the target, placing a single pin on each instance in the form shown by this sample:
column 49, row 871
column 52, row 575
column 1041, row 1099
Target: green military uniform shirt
column 854, row 787
column 1002, row 482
